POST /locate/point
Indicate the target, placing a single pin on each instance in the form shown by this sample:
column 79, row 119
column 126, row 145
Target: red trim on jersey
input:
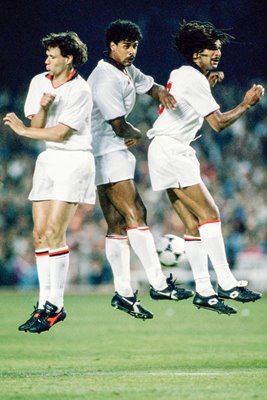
column 161, row 107
column 209, row 222
column 71, row 76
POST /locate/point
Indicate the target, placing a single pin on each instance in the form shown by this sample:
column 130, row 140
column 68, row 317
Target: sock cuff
column 189, row 238
column 210, row 222
column 117, row 237
column 139, row 228
column 42, row 252
column 62, row 251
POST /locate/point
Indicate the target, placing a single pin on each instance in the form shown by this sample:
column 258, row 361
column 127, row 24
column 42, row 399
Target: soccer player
column 114, row 82
column 59, row 105
column 174, row 167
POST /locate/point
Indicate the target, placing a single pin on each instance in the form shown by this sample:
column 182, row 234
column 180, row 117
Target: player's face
column 208, row 59
column 124, row 52
column 55, row 63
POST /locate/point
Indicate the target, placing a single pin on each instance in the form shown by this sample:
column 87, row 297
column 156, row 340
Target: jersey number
column 161, row 107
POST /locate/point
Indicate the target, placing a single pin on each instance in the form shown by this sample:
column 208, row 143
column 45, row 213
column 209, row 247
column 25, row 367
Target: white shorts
column 172, row 164
column 64, row 175
column 115, row 167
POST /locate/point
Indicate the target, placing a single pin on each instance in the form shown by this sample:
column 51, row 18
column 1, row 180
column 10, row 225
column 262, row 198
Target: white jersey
column 72, row 107
column 114, row 95
column 192, row 92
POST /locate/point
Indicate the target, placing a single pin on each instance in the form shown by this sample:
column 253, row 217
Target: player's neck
column 63, row 77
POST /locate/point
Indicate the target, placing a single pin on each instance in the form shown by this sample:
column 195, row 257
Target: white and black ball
column 171, row 250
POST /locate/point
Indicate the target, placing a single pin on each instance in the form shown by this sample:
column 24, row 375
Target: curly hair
column 122, row 30
column 69, row 43
column 195, row 36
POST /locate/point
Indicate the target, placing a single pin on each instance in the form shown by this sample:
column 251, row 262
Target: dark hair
column 195, row 36
column 122, row 30
column 69, row 43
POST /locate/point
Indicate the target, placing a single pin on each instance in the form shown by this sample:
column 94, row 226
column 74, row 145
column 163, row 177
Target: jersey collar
column 194, row 65
column 72, row 76
column 111, row 61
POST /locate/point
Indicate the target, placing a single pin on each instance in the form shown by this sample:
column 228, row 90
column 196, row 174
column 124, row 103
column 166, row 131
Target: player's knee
column 215, row 212
column 53, row 235
column 136, row 217
column 39, row 237
column 210, row 214
column 192, row 228
column 116, row 225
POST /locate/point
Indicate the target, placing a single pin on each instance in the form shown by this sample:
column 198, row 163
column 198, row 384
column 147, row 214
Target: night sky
column 24, row 23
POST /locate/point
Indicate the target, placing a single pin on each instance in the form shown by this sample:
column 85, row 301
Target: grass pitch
column 98, row 353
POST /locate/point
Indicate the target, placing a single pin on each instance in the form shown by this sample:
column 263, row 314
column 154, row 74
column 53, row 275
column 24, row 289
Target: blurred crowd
column 233, row 165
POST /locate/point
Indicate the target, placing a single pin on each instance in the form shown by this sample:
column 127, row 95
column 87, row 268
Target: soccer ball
column 170, row 249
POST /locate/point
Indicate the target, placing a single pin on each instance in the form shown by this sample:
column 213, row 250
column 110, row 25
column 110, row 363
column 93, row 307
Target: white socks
column 118, row 255
column 43, row 272
column 59, row 264
column 198, row 259
column 143, row 245
column 52, row 269
column 212, row 240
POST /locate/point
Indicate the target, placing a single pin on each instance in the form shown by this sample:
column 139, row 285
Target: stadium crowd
column 233, row 166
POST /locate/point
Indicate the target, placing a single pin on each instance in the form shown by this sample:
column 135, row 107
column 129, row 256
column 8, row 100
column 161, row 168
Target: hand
column 46, row 100
column 15, row 123
column 215, row 77
column 166, row 99
column 253, row 95
column 131, row 142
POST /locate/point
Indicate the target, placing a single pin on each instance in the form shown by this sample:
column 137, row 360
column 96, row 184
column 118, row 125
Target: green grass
column 98, row 353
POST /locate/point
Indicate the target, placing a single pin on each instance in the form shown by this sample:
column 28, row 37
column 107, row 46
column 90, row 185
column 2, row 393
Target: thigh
column 189, row 220
column 116, row 222
column 60, row 215
column 51, row 219
column 40, row 211
column 198, row 200
column 127, row 201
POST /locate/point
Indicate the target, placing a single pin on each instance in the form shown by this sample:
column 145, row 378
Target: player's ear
column 69, row 59
column 112, row 46
column 195, row 56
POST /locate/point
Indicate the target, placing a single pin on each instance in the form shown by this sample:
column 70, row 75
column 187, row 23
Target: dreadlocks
column 195, row 36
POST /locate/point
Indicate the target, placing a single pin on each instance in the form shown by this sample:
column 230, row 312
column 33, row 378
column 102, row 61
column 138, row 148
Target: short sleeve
column 32, row 102
column 143, row 83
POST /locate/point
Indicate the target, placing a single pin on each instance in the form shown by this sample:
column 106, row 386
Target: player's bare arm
column 124, row 129
column 160, row 93
column 218, row 120
column 56, row 133
column 131, row 142
column 215, row 77
column 39, row 120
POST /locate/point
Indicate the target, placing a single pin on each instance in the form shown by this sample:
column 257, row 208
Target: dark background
column 24, row 23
